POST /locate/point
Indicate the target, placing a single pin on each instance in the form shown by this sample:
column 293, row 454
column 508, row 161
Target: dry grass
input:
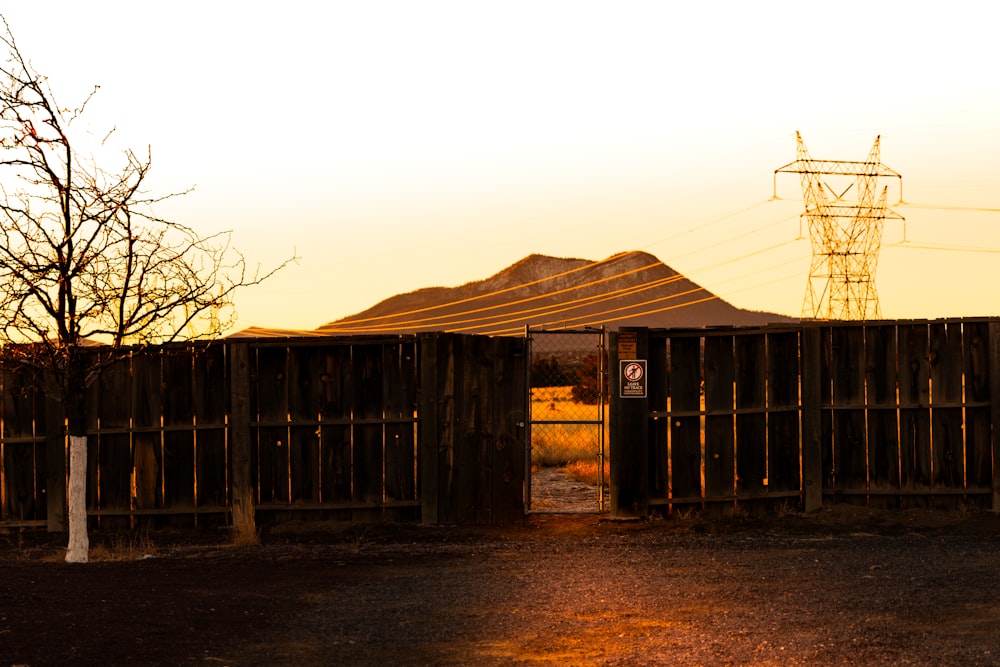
column 587, row 471
column 575, row 448
column 124, row 547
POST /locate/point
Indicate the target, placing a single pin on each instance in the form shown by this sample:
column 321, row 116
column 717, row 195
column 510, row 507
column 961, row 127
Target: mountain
column 627, row 289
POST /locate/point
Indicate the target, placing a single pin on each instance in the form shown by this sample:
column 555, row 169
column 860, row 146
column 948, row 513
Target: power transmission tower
column 845, row 237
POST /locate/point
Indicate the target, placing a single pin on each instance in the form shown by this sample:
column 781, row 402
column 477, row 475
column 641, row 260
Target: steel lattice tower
column 845, row 237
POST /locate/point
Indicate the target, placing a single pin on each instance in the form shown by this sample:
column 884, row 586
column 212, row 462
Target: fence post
column 239, row 433
column 429, row 432
column 994, row 357
column 812, row 453
column 628, row 422
column 55, row 466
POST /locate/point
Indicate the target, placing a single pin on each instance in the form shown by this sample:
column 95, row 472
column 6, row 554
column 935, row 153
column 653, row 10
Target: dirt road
column 848, row 586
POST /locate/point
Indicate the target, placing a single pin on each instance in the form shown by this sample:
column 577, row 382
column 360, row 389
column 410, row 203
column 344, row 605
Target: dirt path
column 849, row 586
column 552, row 490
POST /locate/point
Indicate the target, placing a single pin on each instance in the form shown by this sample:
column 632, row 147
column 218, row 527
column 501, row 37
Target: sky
column 392, row 146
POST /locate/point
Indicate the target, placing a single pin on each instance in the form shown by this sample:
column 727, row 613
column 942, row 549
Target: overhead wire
column 568, row 306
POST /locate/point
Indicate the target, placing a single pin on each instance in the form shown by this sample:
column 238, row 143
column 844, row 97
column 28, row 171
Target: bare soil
column 847, row 585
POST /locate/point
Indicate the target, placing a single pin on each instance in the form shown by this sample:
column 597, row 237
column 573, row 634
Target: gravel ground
column 848, row 585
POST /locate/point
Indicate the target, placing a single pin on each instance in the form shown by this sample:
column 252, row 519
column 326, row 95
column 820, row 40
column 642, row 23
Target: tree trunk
column 79, row 543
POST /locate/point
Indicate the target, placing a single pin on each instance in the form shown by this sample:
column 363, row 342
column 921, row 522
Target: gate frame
column 602, row 415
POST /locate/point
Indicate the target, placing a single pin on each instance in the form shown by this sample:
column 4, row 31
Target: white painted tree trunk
column 79, row 544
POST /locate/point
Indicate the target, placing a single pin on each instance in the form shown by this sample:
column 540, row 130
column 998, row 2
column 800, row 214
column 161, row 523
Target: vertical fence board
column 883, row 426
column 239, row 435
column 751, row 419
column 430, row 428
column 304, row 385
column 210, row 408
column 947, row 444
column 270, row 461
column 657, row 432
column 114, row 457
column 400, row 403
column 812, row 416
column 630, row 434
column 850, row 453
column 177, row 376
column 367, row 439
column 685, row 422
column 914, row 409
column 509, row 413
column 23, row 457
column 993, row 356
column 720, row 454
column 978, row 449
column 337, row 399
column 783, row 464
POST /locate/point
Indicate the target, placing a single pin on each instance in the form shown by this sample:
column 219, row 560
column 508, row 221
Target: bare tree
column 84, row 260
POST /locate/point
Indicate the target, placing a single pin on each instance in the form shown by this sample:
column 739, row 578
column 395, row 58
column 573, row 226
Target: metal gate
column 565, row 462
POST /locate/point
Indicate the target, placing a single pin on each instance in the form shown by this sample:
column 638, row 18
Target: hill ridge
column 631, row 288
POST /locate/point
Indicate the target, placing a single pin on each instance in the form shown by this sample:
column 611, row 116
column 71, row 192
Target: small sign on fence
column 633, row 378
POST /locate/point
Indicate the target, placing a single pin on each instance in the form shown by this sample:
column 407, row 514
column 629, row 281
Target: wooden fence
column 407, row 427
column 893, row 414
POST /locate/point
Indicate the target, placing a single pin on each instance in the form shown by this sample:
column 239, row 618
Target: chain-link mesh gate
column 566, row 467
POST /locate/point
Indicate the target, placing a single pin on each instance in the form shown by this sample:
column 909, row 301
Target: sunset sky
column 400, row 145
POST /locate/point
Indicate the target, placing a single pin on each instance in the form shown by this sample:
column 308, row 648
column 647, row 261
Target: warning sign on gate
column 633, row 378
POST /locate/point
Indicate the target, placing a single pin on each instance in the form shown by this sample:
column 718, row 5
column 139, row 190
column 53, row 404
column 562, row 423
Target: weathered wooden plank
column 430, row 444
column 304, row 464
column 883, row 427
column 783, row 467
column 977, row 363
column 685, row 374
column 914, row 413
column 850, row 453
column 55, row 465
column 685, row 457
column 658, row 399
column 21, row 460
column 367, row 374
column 399, row 400
column 178, row 381
column 113, row 451
column 685, row 430
column 509, row 413
column 751, row 427
column 210, row 384
column 914, row 371
column 948, row 466
column 783, row 449
column 945, row 359
column 179, row 469
column 630, row 436
column 812, row 419
column 337, row 464
column 751, row 455
column 751, row 372
column 240, row 449
column 993, row 357
column 978, row 449
column 783, row 370
column 211, row 468
column 720, row 435
column 883, row 449
column 272, row 464
column 848, row 366
column 304, row 383
column 270, row 378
